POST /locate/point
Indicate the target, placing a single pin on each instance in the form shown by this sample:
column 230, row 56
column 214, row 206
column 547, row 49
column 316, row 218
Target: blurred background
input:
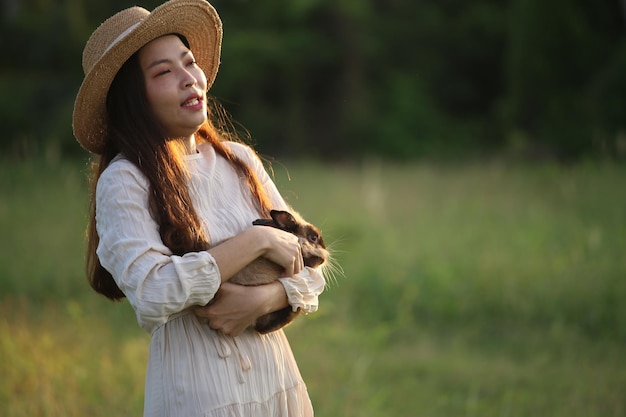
column 464, row 160
column 530, row 77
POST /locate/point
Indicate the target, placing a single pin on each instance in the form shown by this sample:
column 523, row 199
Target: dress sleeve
column 157, row 283
column 304, row 288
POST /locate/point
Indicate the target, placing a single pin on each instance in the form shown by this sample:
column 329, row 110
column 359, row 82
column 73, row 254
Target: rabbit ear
column 264, row 222
column 284, row 220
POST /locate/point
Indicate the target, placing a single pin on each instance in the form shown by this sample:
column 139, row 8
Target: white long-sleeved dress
column 194, row 371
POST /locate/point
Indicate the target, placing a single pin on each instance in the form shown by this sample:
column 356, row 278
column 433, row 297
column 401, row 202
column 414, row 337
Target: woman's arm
column 156, row 282
column 302, row 288
column 237, row 307
column 276, row 245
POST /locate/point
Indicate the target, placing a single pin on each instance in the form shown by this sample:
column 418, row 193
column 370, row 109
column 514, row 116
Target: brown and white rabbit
column 263, row 271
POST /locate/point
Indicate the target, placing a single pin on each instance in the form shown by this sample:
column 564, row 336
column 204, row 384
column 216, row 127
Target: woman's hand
column 283, row 248
column 278, row 246
column 236, row 307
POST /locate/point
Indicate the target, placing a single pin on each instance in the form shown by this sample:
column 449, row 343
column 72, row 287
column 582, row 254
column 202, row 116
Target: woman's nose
column 188, row 80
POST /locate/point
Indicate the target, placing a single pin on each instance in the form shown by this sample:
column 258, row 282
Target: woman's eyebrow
column 168, row 61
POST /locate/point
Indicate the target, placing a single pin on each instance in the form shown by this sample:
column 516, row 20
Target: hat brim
column 196, row 20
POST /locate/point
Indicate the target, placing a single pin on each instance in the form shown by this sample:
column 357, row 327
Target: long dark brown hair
column 135, row 133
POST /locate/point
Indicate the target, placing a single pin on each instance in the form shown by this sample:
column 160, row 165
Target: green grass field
column 469, row 290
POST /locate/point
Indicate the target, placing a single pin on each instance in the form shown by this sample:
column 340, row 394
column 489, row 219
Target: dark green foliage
column 339, row 79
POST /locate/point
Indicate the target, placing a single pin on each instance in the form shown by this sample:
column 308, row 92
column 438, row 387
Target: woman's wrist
column 234, row 254
column 275, row 297
column 260, row 239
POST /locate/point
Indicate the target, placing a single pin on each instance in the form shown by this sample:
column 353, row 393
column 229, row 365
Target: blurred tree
column 285, row 75
column 343, row 78
column 560, row 58
column 38, row 40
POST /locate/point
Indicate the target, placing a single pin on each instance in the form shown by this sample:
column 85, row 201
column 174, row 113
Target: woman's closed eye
column 162, row 72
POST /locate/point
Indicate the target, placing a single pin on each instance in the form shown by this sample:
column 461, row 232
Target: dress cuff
column 303, row 290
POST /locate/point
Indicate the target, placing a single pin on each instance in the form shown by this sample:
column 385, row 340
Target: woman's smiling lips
column 193, row 102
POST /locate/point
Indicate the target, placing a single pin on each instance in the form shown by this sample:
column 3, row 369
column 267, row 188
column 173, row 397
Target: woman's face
column 175, row 85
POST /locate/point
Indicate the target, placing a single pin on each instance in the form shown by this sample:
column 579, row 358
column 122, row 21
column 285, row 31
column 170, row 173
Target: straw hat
column 123, row 34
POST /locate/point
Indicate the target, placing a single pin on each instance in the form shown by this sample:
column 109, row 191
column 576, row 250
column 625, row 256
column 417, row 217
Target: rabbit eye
column 313, row 238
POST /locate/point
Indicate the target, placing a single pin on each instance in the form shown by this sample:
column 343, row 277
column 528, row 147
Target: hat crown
column 109, row 33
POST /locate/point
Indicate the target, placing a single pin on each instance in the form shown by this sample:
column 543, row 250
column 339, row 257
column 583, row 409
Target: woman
column 172, row 205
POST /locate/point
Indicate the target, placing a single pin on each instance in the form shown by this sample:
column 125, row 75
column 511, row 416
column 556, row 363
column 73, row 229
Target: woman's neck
column 189, row 144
